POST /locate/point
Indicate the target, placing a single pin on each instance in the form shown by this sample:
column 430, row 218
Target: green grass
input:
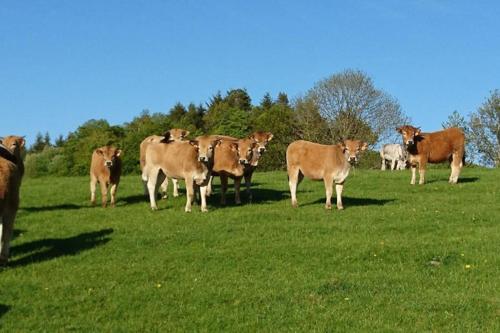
column 399, row 258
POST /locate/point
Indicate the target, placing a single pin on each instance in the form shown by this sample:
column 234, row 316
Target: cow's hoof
column 204, row 210
column 329, row 207
column 295, row 205
column 340, row 207
column 154, row 208
column 187, row 210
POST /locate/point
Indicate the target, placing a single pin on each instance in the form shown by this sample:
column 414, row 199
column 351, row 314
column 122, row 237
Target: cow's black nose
column 203, row 158
column 108, row 163
column 243, row 162
column 261, row 150
column 409, row 142
column 352, row 159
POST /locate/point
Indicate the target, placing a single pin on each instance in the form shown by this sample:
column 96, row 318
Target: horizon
column 66, row 63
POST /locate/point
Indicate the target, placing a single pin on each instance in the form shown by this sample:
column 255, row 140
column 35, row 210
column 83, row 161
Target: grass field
column 399, row 258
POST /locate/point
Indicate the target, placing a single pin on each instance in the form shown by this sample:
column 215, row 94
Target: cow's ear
column 269, row 136
column 194, row 143
column 217, row 142
column 234, row 146
column 343, row 146
column 399, row 129
column 254, row 145
column 251, row 137
column 166, row 136
column 118, row 152
column 364, row 145
column 21, row 142
column 417, row 131
column 184, row 133
column 98, row 151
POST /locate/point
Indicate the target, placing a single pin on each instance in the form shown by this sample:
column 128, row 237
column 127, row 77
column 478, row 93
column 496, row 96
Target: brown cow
column 11, row 173
column 328, row 162
column 174, row 134
column 260, row 139
column 435, row 147
column 188, row 160
column 231, row 158
column 105, row 168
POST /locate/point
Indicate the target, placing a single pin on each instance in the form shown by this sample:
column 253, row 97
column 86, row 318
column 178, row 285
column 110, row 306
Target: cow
column 174, row 134
column 232, row 158
column 260, row 139
column 11, row 174
column 435, row 147
column 105, row 169
column 188, row 160
column 331, row 163
column 395, row 154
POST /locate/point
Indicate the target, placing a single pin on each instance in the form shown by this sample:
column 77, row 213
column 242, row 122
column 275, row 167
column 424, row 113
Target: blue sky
column 65, row 62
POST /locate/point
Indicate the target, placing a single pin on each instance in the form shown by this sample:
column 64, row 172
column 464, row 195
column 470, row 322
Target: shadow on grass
column 4, row 309
column 50, row 248
column 460, row 180
column 259, row 195
column 17, row 232
column 350, row 202
column 133, row 199
column 51, row 208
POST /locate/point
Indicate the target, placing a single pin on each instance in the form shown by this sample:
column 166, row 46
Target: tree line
column 342, row 106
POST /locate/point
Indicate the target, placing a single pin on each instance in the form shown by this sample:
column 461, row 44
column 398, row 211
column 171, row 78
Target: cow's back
column 439, row 146
column 314, row 159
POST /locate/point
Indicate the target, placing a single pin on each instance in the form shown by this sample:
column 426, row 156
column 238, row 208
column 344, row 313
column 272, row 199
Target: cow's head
column 175, row 134
column 205, row 146
column 109, row 155
column 261, row 139
column 409, row 134
column 352, row 148
column 245, row 150
column 13, row 143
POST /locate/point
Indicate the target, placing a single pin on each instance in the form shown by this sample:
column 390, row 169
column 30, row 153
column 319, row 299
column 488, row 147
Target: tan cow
column 331, row 163
column 435, row 147
column 105, row 169
column 11, row 174
column 231, row 158
column 174, row 134
column 188, row 160
column 260, row 140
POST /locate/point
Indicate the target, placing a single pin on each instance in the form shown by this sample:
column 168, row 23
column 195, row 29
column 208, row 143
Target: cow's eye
column 210, row 147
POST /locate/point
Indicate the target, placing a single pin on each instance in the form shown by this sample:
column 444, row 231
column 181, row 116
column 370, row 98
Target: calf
column 395, row 154
column 261, row 139
column 105, row 168
column 188, row 160
column 11, row 173
column 435, row 147
column 174, row 134
column 327, row 162
column 231, row 159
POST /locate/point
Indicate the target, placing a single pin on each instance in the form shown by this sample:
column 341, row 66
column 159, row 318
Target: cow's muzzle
column 109, row 164
column 202, row 159
column 353, row 160
column 262, row 150
column 244, row 162
column 409, row 142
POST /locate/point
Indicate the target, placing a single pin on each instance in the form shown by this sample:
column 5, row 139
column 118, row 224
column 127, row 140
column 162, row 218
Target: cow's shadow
column 66, row 206
column 133, row 199
column 259, row 196
column 4, row 309
column 352, row 202
column 460, row 180
column 50, row 248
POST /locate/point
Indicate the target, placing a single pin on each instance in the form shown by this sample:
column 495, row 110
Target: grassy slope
column 263, row 266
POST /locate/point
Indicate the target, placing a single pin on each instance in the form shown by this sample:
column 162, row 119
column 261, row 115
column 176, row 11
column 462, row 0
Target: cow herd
column 172, row 156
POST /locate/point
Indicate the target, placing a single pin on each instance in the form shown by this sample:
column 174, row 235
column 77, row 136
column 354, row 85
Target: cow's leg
column 112, row 191
column 248, row 184
column 383, row 164
column 413, row 174
column 293, row 182
column 93, row 183
column 237, row 185
column 189, row 193
column 175, row 184
column 393, row 164
column 223, row 189
column 456, row 166
column 164, row 188
column 338, row 189
column 328, row 190
column 209, row 186
column 203, row 195
column 421, row 171
column 104, row 193
column 7, row 227
column 153, row 174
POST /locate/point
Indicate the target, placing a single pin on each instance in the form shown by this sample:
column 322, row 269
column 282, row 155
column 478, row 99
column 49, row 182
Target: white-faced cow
column 395, row 154
column 105, row 169
column 331, row 163
column 188, row 160
column 435, row 147
column 174, row 134
column 11, row 173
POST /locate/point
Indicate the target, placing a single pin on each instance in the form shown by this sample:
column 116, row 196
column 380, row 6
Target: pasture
column 398, row 258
